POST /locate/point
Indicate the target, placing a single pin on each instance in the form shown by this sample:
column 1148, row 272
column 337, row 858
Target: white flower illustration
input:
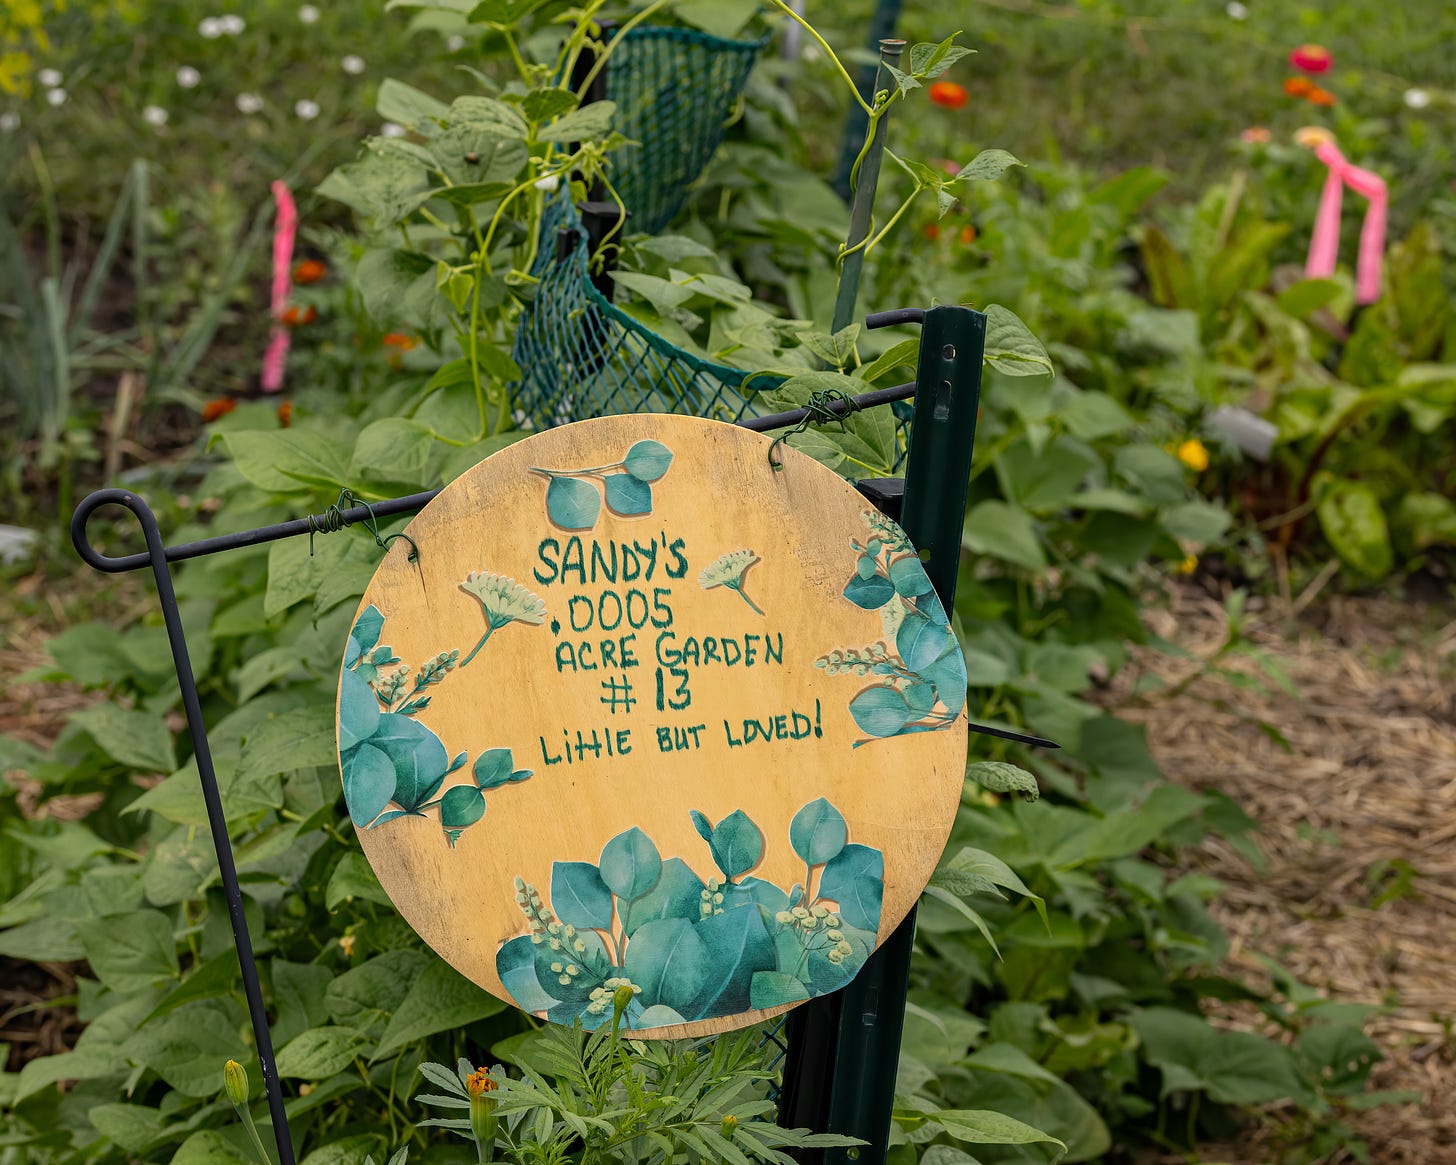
column 727, row 571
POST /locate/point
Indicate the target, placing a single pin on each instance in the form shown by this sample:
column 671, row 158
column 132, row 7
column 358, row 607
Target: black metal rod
column 157, row 556
column 897, row 315
column 408, row 504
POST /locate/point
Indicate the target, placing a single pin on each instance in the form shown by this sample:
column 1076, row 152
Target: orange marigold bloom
column 217, row 408
column 1311, row 58
column 949, row 94
column 968, row 235
column 309, row 271
column 297, row 319
column 285, row 414
column 480, row 1082
column 1298, row 86
column 1318, row 96
column 398, row 340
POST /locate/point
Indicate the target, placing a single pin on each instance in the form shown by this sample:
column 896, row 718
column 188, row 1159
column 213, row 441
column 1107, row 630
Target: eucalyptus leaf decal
column 392, row 765
column 574, row 496
column 921, row 686
column 690, row 949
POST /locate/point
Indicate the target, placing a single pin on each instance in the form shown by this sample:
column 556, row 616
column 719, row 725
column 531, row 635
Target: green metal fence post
column 862, row 209
column 853, row 1036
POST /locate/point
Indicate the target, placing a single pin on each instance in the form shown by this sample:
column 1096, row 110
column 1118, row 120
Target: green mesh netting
column 675, row 90
column 582, row 357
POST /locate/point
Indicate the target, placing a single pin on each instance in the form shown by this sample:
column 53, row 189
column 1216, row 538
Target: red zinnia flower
column 297, row 319
column 932, row 231
column 949, row 94
column 217, row 408
column 968, row 235
column 285, row 414
column 1318, row 96
column 1298, row 86
column 309, row 271
column 1311, row 58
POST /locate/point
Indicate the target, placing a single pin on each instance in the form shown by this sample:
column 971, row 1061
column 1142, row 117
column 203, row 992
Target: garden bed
column 1353, row 783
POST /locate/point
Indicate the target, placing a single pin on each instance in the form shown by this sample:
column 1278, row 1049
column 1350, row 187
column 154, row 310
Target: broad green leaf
column 289, row 460
column 132, row 1126
column 353, row 878
column 987, row 166
column 931, row 60
column 410, row 107
column 130, row 952
column 590, row 123
column 367, row 995
column 1003, row 531
column 1000, row 777
column 318, row 1053
column 971, row 868
column 186, row 1046
column 1010, row 346
column 1354, row 524
column 137, row 739
column 298, row 995
column 1196, row 522
column 396, row 452
column 441, row 999
column 977, row 1127
column 725, row 19
column 384, row 186
column 502, row 13
column 1232, row 1067
column 42, row 940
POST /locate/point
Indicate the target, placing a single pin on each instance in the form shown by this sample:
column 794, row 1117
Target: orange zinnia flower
column 1257, row 135
column 285, row 414
column 297, row 319
column 309, row 271
column 949, row 94
column 1299, row 86
column 398, row 340
column 1311, row 58
column 1318, row 96
column 217, row 408
column 932, row 231
column 968, row 235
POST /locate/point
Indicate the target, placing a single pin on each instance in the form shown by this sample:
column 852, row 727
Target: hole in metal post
column 948, row 352
column 942, row 401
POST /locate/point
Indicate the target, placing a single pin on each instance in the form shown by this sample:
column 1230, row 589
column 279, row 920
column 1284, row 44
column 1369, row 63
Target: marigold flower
column 479, row 1082
column 298, row 319
column 1298, row 86
column 309, row 271
column 1311, row 58
column 1192, row 454
column 949, row 94
column 1256, row 135
column 968, row 235
column 398, row 340
column 1318, row 96
column 214, row 409
column 285, row 414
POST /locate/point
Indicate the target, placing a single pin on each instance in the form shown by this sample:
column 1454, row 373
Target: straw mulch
column 1348, row 779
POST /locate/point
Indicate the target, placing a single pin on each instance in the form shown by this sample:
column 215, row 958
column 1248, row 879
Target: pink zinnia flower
column 1311, row 58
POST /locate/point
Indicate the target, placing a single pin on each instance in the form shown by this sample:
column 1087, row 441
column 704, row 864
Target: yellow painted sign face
column 646, row 711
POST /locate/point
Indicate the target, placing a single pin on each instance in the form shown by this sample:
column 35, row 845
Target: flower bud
column 730, row 1126
column 484, row 1123
column 621, row 999
column 235, row 1082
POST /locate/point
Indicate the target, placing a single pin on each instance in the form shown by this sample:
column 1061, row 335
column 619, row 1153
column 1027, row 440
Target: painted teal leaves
column 691, row 949
column 818, row 832
column 574, row 496
column 392, row 765
column 922, row 687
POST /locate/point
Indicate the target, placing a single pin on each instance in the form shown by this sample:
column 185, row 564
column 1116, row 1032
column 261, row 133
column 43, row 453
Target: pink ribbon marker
column 285, row 227
column 1324, row 246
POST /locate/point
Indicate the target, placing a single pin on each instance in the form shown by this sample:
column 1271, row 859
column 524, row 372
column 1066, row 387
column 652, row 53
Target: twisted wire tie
column 817, row 411
column 332, row 520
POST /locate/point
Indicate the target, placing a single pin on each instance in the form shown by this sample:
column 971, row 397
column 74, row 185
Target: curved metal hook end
column 114, row 497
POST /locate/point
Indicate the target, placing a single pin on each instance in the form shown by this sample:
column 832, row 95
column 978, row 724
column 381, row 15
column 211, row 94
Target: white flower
column 231, row 24
column 188, row 77
column 9, row 122
column 391, row 129
column 249, row 103
column 1417, row 98
column 210, row 28
column 50, row 78
column 503, row 599
column 308, row 14
column 306, row 109
column 727, row 569
column 549, row 183
column 155, row 115
column 352, row 64
column 56, row 97
column 455, row 43
column 1236, row 11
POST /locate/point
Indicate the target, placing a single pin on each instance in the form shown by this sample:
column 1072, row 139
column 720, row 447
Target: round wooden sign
column 647, row 711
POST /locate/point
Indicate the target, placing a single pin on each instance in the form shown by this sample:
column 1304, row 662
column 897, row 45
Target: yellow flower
column 15, row 73
column 1188, row 565
column 346, row 944
column 1192, row 454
